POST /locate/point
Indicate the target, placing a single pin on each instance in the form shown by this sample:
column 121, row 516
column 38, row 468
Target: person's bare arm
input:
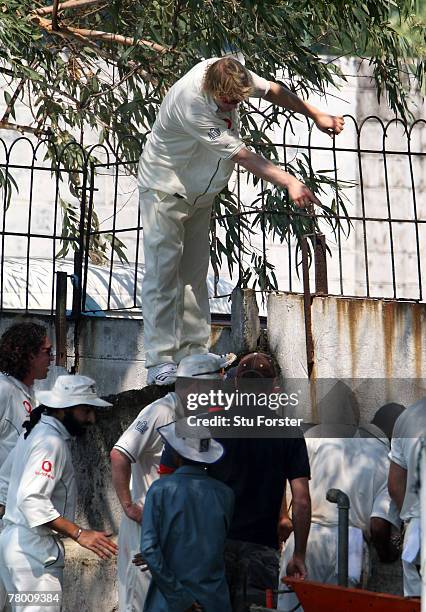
column 96, row 541
column 285, row 524
column 281, row 96
column 121, row 472
column 301, row 514
column 381, row 532
column 397, row 484
column 264, row 169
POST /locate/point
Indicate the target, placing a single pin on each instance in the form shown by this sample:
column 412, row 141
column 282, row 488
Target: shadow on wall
column 97, row 503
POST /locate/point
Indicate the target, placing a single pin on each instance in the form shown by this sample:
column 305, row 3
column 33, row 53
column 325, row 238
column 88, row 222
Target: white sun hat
column 72, row 390
column 207, row 365
column 191, row 442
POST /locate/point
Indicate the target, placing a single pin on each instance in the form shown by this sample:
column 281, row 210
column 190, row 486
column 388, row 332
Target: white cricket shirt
column 143, row 445
column 16, row 402
column 189, row 151
column 41, row 477
column 357, row 466
column 409, row 427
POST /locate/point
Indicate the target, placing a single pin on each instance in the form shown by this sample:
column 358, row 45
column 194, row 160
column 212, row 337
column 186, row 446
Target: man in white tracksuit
column 409, row 428
column 37, row 486
column 136, row 457
column 187, row 160
column 25, row 356
column 358, row 465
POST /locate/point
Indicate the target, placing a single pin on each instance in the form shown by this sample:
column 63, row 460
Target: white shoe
column 162, row 374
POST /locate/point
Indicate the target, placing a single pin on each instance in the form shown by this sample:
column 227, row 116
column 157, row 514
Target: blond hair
column 227, row 78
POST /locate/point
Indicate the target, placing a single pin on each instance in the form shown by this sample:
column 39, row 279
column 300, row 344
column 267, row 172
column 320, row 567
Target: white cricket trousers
column 31, row 563
column 175, row 299
column 4, row 607
column 411, row 577
column 132, row 583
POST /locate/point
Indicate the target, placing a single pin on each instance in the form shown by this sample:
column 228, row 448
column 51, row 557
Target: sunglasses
column 230, row 100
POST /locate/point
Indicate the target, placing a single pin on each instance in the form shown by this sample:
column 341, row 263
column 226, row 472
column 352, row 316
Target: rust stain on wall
column 350, row 312
column 341, row 314
column 215, row 334
column 313, row 395
column 416, row 318
column 388, row 309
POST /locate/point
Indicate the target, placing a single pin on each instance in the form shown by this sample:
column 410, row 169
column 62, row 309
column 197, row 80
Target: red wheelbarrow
column 318, row 597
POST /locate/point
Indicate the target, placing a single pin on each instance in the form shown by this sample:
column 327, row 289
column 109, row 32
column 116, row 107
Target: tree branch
column 7, row 71
column 5, row 125
column 70, row 4
column 55, row 25
column 118, row 38
column 97, row 35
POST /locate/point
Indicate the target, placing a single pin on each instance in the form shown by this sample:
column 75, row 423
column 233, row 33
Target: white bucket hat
column 72, row 390
column 191, row 442
column 206, row 365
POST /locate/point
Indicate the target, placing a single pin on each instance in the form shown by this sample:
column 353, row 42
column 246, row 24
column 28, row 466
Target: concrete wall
column 110, row 350
column 378, row 346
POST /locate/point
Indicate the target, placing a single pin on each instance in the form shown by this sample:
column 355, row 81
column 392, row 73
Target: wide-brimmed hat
column 191, row 442
column 72, row 390
column 207, row 365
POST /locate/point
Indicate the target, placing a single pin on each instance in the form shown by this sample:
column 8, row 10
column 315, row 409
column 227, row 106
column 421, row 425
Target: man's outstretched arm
column 281, row 96
column 264, row 169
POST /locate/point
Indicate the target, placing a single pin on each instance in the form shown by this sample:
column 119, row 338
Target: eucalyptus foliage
column 106, row 64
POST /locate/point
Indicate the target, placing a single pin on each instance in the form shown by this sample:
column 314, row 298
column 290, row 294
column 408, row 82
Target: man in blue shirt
column 185, row 521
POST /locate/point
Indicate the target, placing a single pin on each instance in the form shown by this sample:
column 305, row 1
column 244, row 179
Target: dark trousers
column 251, row 569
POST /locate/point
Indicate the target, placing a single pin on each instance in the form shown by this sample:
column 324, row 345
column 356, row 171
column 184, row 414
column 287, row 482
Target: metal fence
column 383, row 164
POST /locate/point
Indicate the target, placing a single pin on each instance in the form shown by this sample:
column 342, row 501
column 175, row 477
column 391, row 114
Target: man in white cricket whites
column 25, row 356
column 187, row 160
column 137, row 455
column 341, row 457
column 38, row 488
column 409, row 428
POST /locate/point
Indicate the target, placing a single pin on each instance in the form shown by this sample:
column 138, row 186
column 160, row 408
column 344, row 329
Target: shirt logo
column 214, row 133
column 141, row 426
column 46, row 468
column 27, row 406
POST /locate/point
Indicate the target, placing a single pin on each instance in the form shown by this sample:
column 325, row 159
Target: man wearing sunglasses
column 187, row 160
column 25, row 356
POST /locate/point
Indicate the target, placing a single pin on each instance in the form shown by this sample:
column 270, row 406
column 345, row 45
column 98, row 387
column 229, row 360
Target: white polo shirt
column 41, row 477
column 143, row 445
column 189, row 151
column 357, row 466
column 16, row 402
column 409, row 427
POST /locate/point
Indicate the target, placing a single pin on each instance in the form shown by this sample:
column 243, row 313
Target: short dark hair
column 18, row 344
